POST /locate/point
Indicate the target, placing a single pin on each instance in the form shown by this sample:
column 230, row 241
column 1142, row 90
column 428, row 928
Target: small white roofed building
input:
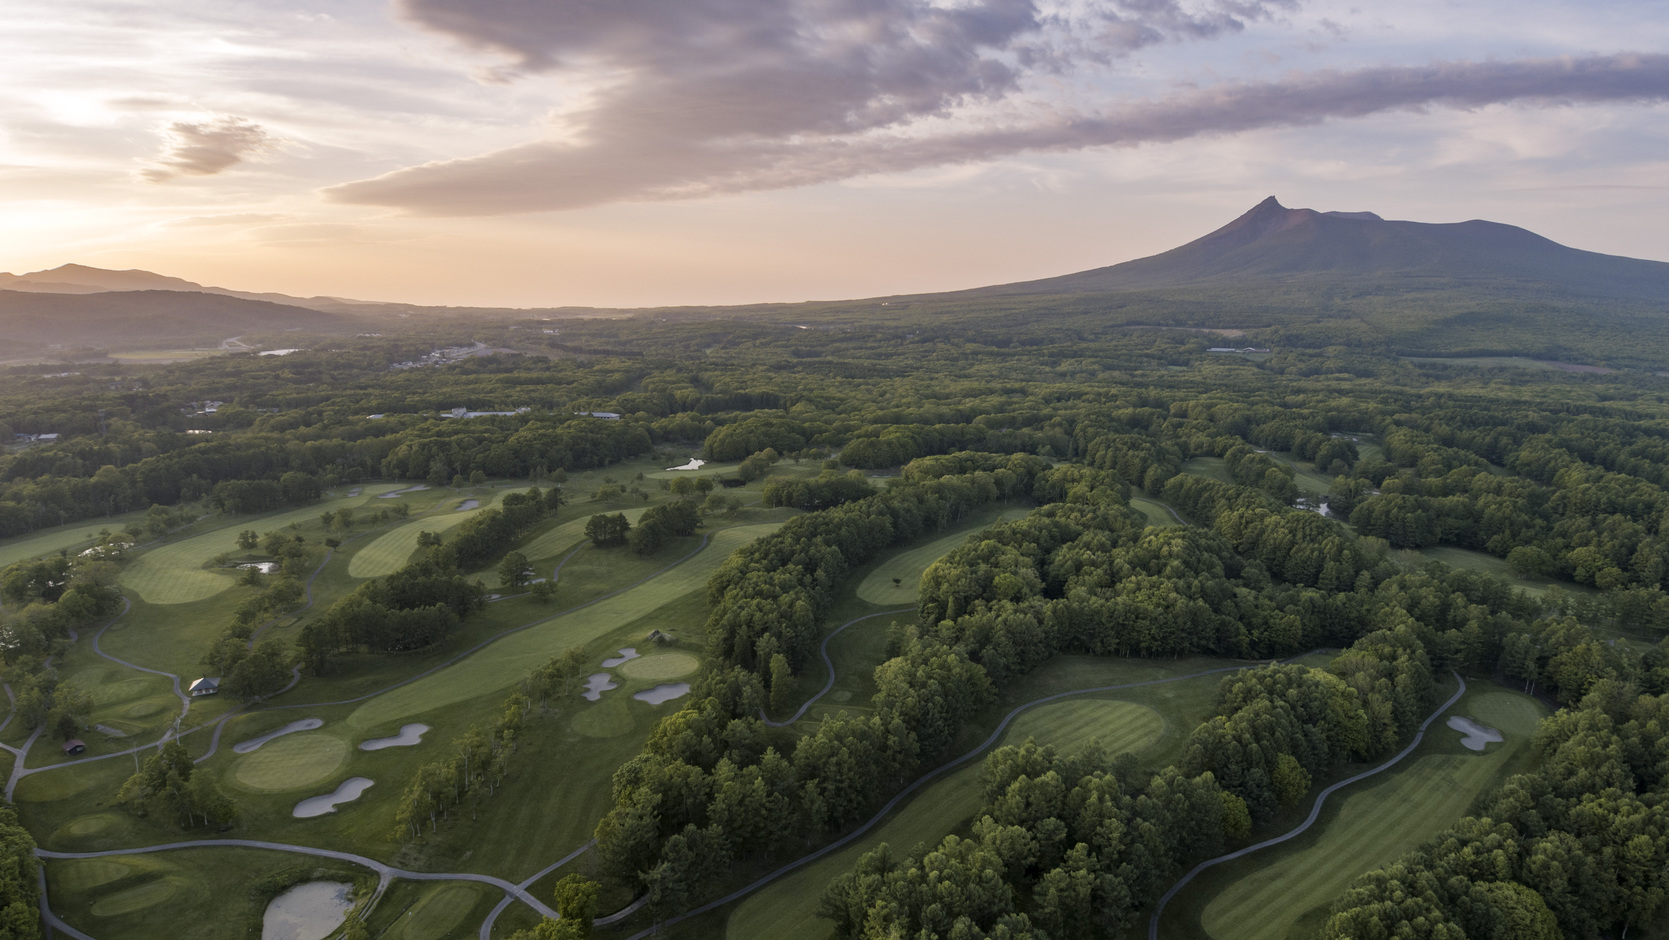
column 204, row 686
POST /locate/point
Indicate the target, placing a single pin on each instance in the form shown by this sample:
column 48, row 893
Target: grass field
column 505, row 662
column 788, row 907
column 1155, row 513
column 906, row 567
column 1375, row 823
column 559, row 540
column 658, row 666
column 390, row 552
column 292, row 762
column 175, row 574
column 51, row 541
column 1209, row 467
column 1498, row 567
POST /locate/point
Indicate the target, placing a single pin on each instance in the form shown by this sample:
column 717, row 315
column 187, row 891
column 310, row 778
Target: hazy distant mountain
column 1272, row 244
column 118, row 319
column 82, row 279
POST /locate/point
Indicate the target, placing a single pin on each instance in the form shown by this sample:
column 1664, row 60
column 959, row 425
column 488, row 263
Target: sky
column 650, row 152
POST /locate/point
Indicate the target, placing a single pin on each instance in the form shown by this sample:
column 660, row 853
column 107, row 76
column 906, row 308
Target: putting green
column 506, row 661
column 175, row 573
column 149, row 894
column 788, row 906
column 607, row 718
column 660, row 666
column 86, row 873
column 149, row 707
column 568, row 534
column 907, row 566
column 1374, row 826
column 90, row 825
column 291, row 762
column 436, row 916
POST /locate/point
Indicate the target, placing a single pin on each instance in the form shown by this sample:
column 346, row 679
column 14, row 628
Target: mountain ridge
column 1271, row 243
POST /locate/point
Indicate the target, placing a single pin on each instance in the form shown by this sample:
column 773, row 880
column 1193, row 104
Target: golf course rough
column 505, row 662
column 1376, row 824
column 569, row 534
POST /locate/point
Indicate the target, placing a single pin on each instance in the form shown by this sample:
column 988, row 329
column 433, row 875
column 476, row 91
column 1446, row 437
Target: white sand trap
column 349, row 791
column 469, row 504
column 310, row 911
column 626, row 655
column 696, row 463
column 409, row 735
column 305, row 724
column 663, row 693
column 352, row 493
column 597, row 685
column 410, row 489
column 1475, row 736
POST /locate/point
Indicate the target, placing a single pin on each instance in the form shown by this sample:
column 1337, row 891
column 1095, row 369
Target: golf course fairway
column 504, row 663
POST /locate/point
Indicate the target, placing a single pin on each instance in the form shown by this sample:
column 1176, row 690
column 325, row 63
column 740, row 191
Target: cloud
column 702, row 97
column 207, row 148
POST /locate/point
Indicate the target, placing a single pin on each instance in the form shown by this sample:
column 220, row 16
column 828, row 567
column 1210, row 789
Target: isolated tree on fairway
column 248, row 539
column 514, row 571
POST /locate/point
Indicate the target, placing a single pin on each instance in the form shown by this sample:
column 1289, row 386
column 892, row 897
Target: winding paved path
column 1315, row 812
column 829, row 664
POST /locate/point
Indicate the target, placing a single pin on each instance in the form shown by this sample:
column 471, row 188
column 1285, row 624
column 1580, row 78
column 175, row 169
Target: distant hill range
column 1272, row 244
column 81, row 279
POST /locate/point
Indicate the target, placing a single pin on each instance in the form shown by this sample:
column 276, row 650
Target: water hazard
column 310, row 911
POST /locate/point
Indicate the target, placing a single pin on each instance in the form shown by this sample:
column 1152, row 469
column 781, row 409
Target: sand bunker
column 408, row 736
column 625, row 656
column 349, row 791
column 696, row 463
column 305, row 724
column 663, row 693
column 310, row 911
column 409, row 489
column 597, row 685
column 1474, row 735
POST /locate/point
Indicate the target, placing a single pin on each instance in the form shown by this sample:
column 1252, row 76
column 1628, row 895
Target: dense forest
column 1310, row 480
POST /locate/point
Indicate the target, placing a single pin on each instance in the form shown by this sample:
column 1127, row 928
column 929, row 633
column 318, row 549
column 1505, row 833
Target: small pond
column 626, row 655
column 469, row 504
column 663, row 693
column 408, row 736
column 597, row 685
column 349, row 791
column 305, row 724
column 1474, row 735
column 310, row 911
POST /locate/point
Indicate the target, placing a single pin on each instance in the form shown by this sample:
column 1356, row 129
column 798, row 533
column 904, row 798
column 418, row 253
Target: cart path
column 1315, row 811
column 920, row 782
column 829, row 664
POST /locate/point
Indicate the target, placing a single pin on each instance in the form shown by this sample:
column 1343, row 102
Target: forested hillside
column 1418, row 521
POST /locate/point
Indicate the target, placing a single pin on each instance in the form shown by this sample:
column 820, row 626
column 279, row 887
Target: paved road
column 1315, row 812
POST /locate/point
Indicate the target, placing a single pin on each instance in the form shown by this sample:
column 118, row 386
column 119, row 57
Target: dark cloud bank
column 721, row 96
